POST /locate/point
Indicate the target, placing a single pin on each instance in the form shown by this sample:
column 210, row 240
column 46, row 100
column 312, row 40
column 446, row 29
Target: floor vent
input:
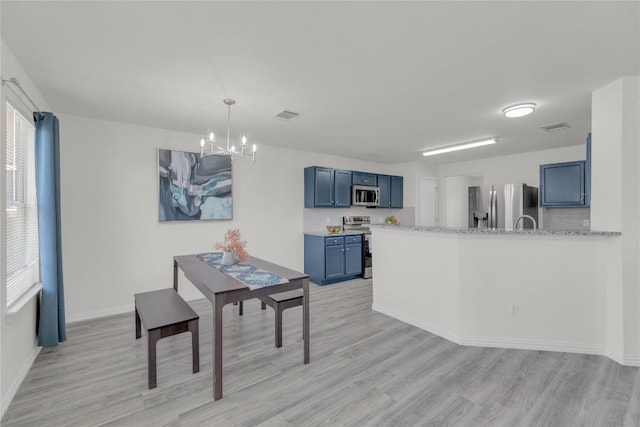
column 286, row 115
column 555, row 126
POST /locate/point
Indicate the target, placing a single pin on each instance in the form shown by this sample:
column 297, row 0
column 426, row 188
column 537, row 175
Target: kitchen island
column 543, row 289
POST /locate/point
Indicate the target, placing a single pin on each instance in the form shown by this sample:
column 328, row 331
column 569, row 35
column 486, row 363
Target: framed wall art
column 194, row 188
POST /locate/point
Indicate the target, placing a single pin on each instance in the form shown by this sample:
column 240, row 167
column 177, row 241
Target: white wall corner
column 426, row 326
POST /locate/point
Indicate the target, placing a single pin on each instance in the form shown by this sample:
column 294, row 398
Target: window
column 23, row 262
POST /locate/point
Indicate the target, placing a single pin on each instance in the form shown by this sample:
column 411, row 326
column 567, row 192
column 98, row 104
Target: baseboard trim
column 519, row 344
column 114, row 311
column 528, row 344
column 79, row 317
column 631, row 360
column 444, row 333
column 17, row 381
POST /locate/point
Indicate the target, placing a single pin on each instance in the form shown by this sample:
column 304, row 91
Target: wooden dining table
column 221, row 289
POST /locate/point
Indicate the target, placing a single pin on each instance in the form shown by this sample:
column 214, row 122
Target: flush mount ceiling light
column 460, row 147
column 231, row 149
column 519, row 110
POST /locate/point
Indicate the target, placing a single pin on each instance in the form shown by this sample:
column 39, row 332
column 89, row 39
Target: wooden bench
column 279, row 303
column 164, row 313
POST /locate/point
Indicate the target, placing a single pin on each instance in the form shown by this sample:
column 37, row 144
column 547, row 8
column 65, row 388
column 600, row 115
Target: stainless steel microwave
column 364, row 195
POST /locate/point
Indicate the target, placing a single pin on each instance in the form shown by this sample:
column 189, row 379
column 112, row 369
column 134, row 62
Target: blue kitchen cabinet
column 334, row 262
column 363, row 178
column 326, row 188
column 563, row 184
column 330, row 259
column 567, row 184
column 391, row 191
column 353, row 259
column 384, row 184
column 397, row 191
column 342, row 188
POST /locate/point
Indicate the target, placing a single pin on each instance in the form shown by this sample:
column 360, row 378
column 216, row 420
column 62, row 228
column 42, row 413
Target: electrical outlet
column 514, row 310
column 585, row 223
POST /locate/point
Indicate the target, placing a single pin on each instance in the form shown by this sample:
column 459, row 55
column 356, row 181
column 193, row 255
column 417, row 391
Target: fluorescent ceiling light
column 519, row 110
column 460, row 147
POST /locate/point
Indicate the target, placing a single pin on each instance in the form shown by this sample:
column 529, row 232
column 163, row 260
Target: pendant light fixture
column 230, row 150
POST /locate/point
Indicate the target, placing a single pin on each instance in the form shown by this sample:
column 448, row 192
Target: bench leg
column 240, row 307
column 152, row 338
column 138, row 326
column 278, row 311
column 195, row 344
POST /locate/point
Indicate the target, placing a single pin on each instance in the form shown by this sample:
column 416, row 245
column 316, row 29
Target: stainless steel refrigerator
column 498, row 206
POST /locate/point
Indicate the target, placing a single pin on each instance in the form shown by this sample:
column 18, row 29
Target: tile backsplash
column 315, row 219
column 566, row 218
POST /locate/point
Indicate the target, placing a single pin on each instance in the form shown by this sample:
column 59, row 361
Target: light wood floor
column 366, row 370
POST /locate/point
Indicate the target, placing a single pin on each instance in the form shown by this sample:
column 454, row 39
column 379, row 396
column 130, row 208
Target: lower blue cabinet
column 334, row 262
column 329, row 259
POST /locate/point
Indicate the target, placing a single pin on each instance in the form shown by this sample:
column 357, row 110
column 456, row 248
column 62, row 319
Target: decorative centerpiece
column 232, row 248
column 334, row 228
column 391, row 220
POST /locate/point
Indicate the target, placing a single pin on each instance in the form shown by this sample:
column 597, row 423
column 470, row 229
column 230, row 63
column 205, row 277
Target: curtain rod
column 17, row 84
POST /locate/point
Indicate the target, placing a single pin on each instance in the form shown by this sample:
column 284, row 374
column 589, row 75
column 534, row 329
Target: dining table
column 221, row 288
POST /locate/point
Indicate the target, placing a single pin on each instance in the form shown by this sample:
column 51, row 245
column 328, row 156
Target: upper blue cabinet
column 331, row 188
column 566, row 184
column 391, row 191
column 326, row 188
column 363, row 178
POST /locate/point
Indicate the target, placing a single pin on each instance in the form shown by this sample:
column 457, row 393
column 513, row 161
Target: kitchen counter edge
column 490, row 231
column 342, row 233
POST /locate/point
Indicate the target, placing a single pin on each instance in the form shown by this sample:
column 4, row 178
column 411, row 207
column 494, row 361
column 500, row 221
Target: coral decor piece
column 233, row 243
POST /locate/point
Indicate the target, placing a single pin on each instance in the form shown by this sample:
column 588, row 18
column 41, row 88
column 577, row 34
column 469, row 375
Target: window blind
column 22, row 251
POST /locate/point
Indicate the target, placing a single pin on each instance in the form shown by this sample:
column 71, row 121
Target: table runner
column 246, row 273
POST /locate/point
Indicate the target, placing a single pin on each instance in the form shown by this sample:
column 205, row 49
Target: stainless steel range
column 361, row 223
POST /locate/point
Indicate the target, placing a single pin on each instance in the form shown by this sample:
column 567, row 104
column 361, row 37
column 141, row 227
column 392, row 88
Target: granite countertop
column 490, row 231
column 325, row 233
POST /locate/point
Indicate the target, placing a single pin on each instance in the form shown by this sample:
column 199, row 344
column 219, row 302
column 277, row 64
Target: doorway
column 428, row 202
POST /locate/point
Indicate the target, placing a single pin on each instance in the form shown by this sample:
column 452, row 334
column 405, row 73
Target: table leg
column 152, row 338
column 175, row 276
column 305, row 318
column 217, row 347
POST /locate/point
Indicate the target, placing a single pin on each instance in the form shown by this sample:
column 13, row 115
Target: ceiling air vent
column 555, row 126
column 286, row 115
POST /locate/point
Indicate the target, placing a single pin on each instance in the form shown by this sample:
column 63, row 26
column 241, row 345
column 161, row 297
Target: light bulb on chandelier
column 231, row 149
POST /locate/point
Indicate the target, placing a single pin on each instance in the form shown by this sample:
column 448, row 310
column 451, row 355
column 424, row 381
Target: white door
column 428, row 202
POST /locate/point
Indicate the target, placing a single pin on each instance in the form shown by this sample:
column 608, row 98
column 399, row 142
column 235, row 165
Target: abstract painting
column 194, row 188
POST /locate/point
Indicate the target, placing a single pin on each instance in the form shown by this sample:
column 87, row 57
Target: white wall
column 18, row 346
column 517, row 168
column 615, row 201
column 457, row 199
column 413, row 172
column 113, row 243
column 461, row 287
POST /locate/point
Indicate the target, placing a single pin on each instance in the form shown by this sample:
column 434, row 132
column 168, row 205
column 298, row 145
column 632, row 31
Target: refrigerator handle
column 493, row 208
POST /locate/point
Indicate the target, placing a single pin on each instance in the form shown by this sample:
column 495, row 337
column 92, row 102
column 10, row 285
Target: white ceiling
column 379, row 81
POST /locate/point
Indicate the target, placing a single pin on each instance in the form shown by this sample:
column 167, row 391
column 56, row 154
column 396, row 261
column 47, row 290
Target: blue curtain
column 51, row 324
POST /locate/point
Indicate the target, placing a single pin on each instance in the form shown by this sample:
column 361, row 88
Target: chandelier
column 231, row 150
